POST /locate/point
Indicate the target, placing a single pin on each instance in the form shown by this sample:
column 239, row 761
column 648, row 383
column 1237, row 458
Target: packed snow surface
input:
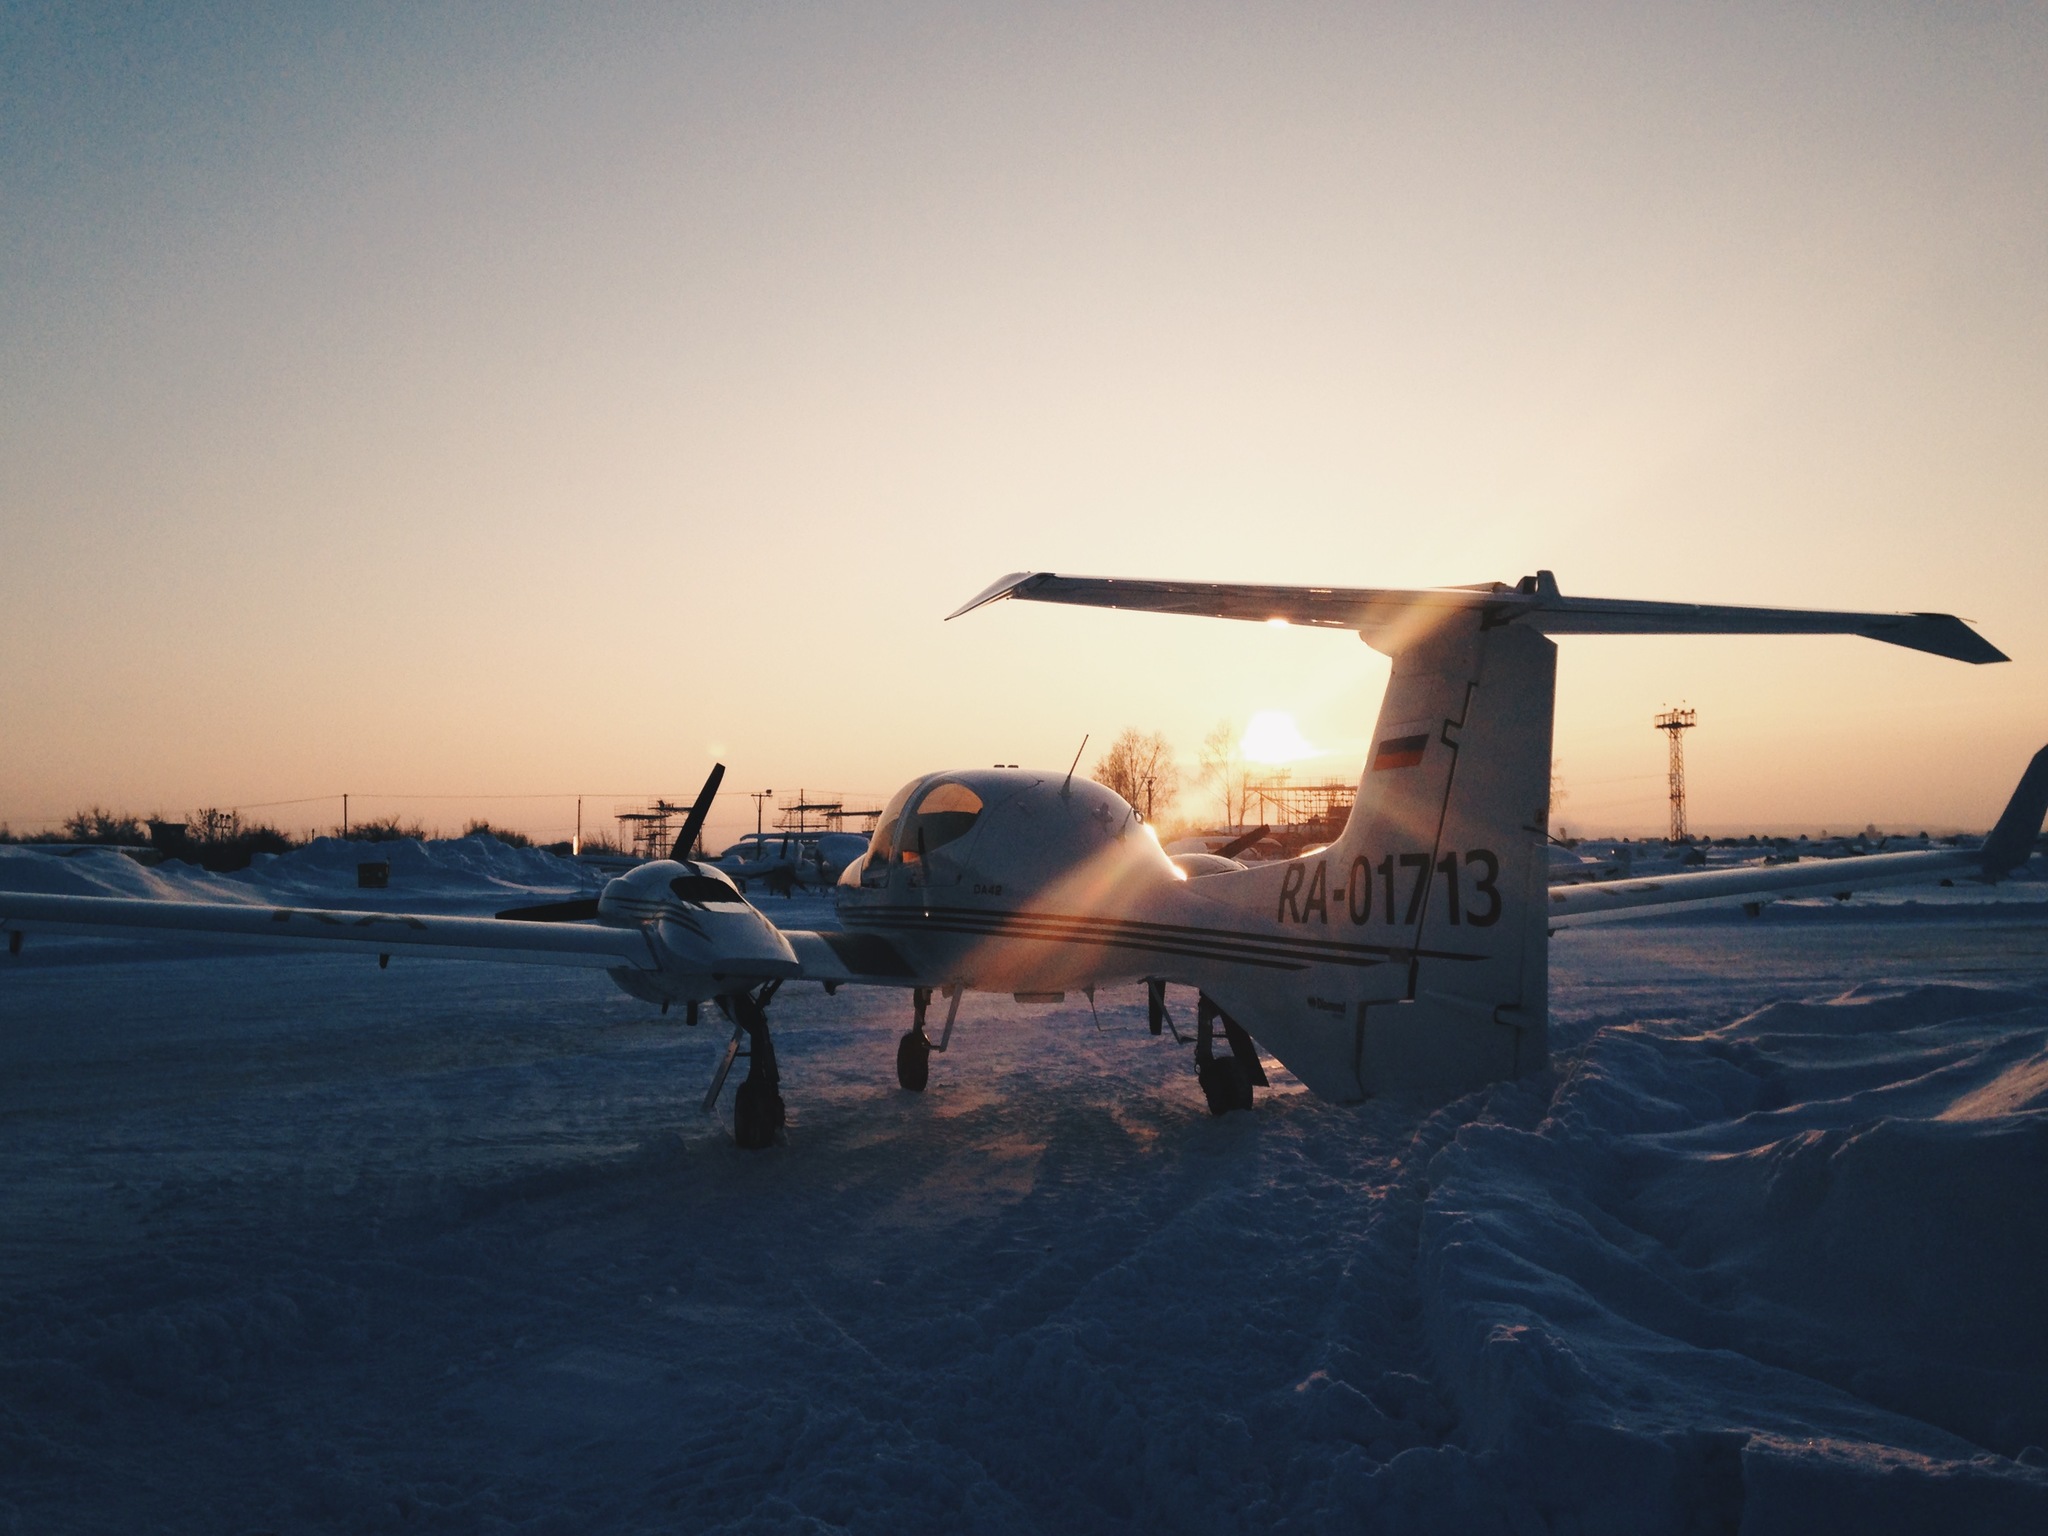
column 296, row 1244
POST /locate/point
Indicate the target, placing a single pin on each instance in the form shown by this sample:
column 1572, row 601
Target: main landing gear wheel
column 1226, row 1080
column 1224, row 1084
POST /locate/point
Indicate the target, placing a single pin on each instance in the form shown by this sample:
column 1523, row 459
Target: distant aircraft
column 784, row 860
column 1411, row 954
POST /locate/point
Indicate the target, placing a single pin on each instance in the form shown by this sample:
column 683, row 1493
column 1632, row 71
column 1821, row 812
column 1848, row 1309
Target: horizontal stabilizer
column 1383, row 614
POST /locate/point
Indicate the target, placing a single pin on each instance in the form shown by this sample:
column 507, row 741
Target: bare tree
column 1226, row 774
column 210, row 824
column 389, row 829
column 102, row 826
column 1139, row 766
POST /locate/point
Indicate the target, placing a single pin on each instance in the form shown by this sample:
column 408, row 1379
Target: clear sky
column 490, row 401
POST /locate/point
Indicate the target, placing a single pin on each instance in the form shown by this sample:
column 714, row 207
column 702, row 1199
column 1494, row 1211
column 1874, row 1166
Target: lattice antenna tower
column 1674, row 723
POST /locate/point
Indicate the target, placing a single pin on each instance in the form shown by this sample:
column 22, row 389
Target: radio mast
column 1674, row 723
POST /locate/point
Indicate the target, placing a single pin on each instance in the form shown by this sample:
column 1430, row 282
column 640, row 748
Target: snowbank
column 446, row 871
column 1790, row 1270
column 103, row 872
column 446, row 866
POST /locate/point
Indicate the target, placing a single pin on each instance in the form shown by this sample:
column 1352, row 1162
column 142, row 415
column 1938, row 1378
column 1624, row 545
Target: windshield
column 700, row 889
column 883, row 846
column 946, row 814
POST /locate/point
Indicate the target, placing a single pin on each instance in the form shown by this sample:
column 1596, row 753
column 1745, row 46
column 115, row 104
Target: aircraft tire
column 914, row 1061
column 1225, row 1084
column 757, row 1116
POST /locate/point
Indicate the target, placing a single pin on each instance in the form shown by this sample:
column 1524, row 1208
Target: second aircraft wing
column 2010, row 845
column 466, row 938
column 1573, row 906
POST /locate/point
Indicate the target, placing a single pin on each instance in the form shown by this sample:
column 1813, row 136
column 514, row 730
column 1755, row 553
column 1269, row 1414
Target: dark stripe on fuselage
column 1270, row 951
column 938, row 924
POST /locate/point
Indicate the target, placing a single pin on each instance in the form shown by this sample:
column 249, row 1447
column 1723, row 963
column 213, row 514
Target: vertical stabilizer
column 1443, row 864
column 1478, row 1010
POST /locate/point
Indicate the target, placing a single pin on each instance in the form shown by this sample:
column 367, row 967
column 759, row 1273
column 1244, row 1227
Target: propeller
column 578, row 911
column 584, row 908
column 694, row 822
column 1237, row 845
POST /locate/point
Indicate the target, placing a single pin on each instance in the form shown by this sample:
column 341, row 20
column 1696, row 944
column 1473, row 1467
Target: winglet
column 2011, row 842
column 995, row 592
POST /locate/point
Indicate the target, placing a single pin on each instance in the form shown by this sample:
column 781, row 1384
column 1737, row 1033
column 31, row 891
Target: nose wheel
column 914, row 1050
column 758, row 1115
column 914, row 1060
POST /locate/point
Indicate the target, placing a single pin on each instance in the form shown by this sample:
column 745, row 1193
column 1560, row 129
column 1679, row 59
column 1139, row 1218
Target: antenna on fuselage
column 1069, row 781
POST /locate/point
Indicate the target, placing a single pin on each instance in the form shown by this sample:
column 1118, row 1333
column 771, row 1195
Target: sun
column 1273, row 737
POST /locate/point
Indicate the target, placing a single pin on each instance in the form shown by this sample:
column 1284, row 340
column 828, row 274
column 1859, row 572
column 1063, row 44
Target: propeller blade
column 694, row 822
column 580, row 910
column 1237, row 845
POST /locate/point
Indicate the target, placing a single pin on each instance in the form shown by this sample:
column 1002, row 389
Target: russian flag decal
column 1400, row 752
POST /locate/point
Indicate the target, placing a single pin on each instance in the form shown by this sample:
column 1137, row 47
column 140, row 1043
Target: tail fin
column 1450, row 827
column 1431, row 904
column 2011, row 842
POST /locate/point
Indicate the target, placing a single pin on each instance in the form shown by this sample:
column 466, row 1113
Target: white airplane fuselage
column 1053, row 886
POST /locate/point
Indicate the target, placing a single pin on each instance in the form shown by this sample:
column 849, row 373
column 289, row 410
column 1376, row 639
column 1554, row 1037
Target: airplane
column 784, row 860
column 1409, row 956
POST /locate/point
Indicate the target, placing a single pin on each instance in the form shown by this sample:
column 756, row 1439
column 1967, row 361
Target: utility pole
column 759, row 795
column 1674, row 723
column 344, row 818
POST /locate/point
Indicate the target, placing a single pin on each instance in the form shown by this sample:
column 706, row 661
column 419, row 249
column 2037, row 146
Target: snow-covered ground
column 295, row 1244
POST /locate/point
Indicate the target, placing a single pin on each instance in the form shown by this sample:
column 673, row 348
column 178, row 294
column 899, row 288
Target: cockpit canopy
column 944, row 813
column 700, row 888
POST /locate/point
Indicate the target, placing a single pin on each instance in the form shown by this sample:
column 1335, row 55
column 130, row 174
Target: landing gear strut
column 914, row 1050
column 757, row 1112
column 1226, row 1080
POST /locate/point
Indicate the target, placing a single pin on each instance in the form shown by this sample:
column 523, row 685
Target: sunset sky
column 489, row 401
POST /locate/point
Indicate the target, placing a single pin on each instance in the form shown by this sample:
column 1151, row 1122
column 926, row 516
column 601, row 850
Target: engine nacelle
column 706, row 941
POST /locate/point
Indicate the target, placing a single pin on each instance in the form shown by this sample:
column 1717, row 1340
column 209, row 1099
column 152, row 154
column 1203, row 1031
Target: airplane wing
column 1534, row 601
column 2009, row 847
column 830, row 957
column 865, row 959
column 1574, row 906
column 463, row 938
